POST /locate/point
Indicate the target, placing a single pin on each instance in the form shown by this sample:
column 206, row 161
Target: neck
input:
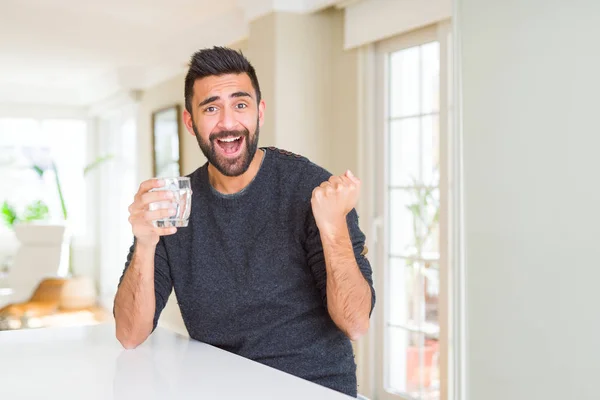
column 233, row 184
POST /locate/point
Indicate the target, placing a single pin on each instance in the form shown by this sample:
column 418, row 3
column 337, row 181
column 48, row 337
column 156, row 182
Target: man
column 271, row 266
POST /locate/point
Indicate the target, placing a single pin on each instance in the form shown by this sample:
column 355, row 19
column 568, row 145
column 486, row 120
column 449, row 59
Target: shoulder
column 288, row 160
column 297, row 168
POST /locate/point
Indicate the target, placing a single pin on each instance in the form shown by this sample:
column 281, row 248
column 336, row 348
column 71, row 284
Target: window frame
column 438, row 32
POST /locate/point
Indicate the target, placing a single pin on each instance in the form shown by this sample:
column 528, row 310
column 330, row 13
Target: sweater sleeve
column 316, row 257
column 162, row 277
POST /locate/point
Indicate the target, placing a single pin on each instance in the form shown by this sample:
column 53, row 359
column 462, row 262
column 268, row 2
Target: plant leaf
column 96, row 163
column 39, row 170
column 38, row 210
column 60, row 193
column 9, row 214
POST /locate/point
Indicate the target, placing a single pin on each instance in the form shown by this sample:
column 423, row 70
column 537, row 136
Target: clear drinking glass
column 182, row 199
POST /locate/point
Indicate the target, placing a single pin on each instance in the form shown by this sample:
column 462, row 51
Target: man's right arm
column 135, row 302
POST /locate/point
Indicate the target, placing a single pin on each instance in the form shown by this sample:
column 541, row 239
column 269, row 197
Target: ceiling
column 75, row 52
column 79, row 52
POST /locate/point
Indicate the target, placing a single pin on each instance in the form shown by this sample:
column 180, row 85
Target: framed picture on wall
column 166, row 142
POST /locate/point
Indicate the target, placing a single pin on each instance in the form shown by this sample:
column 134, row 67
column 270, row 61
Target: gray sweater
column 249, row 273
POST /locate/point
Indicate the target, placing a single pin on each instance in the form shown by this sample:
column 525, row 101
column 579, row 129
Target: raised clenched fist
column 334, row 199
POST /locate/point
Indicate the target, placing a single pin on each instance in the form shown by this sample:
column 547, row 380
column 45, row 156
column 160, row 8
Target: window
column 412, row 324
column 25, row 143
column 97, row 204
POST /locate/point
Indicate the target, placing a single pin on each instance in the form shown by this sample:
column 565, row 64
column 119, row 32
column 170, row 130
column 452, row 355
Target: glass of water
column 182, row 200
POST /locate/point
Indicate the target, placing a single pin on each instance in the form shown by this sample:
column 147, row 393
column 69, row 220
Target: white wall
column 163, row 95
column 310, row 86
column 531, row 165
column 259, row 49
column 367, row 21
column 303, row 53
column 345, row 105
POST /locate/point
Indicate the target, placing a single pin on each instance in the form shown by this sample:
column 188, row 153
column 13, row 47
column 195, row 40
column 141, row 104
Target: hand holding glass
column 182, row 202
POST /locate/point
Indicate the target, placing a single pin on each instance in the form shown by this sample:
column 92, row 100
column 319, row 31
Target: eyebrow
column 215, row 98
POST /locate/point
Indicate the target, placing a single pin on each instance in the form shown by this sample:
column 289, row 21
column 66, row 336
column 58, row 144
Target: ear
column 188, row 122
column 261, row 113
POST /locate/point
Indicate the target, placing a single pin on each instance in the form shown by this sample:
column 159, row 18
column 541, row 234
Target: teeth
column 229, row 140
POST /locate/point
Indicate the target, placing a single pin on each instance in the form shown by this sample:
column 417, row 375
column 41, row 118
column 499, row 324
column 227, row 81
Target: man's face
column 226, row 120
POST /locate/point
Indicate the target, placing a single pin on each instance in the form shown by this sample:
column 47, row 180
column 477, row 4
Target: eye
column 210, row 109
column 241, row 105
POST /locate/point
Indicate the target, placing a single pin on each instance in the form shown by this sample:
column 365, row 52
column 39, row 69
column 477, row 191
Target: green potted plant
column 36, row 211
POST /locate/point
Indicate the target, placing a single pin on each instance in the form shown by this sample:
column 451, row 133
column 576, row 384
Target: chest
column 234, row 264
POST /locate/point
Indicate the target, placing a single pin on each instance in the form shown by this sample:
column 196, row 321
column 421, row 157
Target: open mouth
column 230, row 146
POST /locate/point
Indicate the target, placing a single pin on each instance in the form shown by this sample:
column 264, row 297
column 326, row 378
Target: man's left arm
column 349, row 295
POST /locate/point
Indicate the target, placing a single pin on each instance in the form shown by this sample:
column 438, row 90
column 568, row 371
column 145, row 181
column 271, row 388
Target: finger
column 335, row 179
column 318, row 193
column 166, row 231
column 150, row 184
column 346, row 181
column 352, row 185
column 159, row 214
column 154, row 197
column 138, row 219
column 353, row 178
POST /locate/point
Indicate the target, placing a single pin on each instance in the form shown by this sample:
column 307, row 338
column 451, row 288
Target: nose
column 227, row 120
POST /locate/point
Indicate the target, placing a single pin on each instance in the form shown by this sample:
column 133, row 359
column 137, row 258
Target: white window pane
column 405, row 372
column 414, row 222
column 425, row 358
column 397, row 364
column 431, row 370
column 20, row 138
column 67, row 139
column 406, row 293
column 430, row 158
column 68, row 145
column 20, row 131
column 431, row 293
column 413, row 340
column 404, row 152
column 428, row 245
column 430, row 77
column 401, row 292
column 27, row 143
column 402, row 226
column 405, row 77
column 413, row 364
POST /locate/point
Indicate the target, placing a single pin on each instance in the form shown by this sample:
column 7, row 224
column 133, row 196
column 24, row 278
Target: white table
column 89, row 363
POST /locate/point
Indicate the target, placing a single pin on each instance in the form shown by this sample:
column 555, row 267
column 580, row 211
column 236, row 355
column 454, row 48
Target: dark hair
column 215, row 62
